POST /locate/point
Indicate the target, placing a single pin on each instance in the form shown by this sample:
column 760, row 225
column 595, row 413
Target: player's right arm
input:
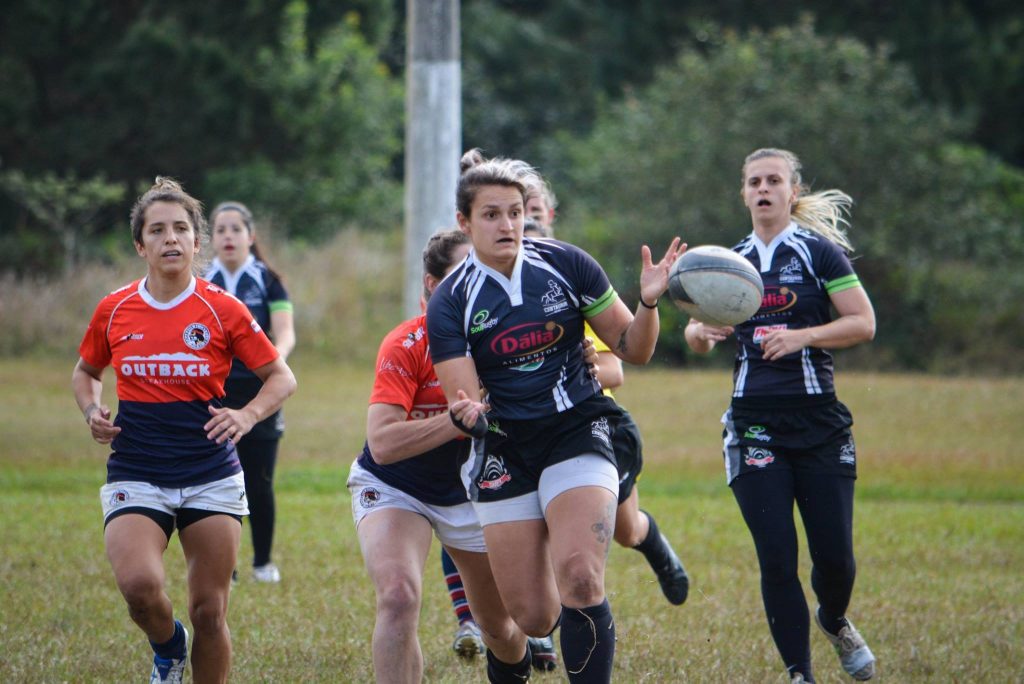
column 87, row 385
column 461, row 386
column 391, row 437
column 702, row 338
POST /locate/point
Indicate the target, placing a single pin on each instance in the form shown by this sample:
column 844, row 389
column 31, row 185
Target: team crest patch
column 119, row 497
column 758, row 457
column 554, row 299
column 196, row 336
column 848, row 453
column 600, row 429
column 369, row 497
column 495, row 474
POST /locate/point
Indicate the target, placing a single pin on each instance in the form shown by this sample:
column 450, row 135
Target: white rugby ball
column 715, row 285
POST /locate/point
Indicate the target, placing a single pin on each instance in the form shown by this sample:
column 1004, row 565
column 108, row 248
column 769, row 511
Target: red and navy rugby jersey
column 800, row 270
column 525, row 333
column 171, row 359
column 405, row 377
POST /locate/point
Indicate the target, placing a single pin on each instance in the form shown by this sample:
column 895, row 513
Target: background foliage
column 640, row 113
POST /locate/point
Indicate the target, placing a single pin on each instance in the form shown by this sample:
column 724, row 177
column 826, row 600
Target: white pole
column 433, row 131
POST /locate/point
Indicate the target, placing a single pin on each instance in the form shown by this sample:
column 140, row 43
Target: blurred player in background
column 240, row 269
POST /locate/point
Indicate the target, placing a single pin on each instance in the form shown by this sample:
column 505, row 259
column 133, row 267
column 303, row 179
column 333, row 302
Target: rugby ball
column 715, row 285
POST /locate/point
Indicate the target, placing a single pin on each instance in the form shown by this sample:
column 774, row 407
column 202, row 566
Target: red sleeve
column 397, row 378
column 248, row 340
column 95, row 348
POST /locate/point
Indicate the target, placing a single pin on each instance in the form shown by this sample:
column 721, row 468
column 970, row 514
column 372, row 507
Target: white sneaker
column 854, row 655
column 798, row 678
column 468, row 643
column 266, row 573
column 169, row 670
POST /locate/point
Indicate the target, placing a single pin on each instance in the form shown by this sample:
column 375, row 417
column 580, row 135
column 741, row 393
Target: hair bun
column 473, row 157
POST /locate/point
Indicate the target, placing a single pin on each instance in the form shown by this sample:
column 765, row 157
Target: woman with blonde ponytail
column 787, row 436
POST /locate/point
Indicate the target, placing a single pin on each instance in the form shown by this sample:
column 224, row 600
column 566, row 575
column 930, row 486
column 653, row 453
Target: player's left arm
column 282, row 325
column 632, row 337
column 855, row 324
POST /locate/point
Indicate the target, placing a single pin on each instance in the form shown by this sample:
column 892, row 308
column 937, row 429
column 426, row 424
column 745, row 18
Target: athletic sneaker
column 675, row 583
column 467, row 643
column 266, row 573
column 169, row 670
column 854, row 654
column 542, row 653
column 797, row 679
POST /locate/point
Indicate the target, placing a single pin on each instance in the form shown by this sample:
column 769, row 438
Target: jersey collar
column 148, row 298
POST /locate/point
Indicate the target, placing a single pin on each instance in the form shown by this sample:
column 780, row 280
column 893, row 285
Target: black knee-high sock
column 652, row 546
column 500, row 672
column 588, row 643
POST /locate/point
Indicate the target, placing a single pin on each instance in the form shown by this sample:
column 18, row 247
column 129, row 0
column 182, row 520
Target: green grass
column 939, row 539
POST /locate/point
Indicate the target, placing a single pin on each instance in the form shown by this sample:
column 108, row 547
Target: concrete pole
column 433, row 131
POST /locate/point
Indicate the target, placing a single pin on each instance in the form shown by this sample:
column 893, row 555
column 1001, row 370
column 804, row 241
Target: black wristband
column 478, row 430
column 648, row 306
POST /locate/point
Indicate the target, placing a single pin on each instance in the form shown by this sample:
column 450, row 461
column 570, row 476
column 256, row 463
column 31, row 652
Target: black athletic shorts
column 509, row 460
column 789, row 433
column 628, row 454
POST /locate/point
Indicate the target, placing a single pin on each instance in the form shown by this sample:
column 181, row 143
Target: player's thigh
column 210, row 545
column 395, row 543
column 135, row 547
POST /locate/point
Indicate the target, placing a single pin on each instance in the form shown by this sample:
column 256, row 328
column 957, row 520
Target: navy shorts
column 508, row 462
column 628, row 454
column 813, row 434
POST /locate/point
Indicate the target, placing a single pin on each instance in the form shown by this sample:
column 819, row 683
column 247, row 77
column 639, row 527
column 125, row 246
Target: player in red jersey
column 170, row 338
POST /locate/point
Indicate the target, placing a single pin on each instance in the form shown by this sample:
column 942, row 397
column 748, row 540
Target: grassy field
column 939, row 540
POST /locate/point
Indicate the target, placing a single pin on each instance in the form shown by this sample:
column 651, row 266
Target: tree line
column 639, row 114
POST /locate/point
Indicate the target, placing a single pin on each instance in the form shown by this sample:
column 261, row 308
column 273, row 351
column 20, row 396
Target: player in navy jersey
column 240, row 269
column 787, row 436
column 406, row 483
column 542, row 475
column 170, row 338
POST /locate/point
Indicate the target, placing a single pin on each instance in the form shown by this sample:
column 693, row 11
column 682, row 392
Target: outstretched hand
column 654, row 276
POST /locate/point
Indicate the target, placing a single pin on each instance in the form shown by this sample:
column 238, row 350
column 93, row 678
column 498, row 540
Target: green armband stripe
column 600, row 304
column 281, row 306
column 844, row 283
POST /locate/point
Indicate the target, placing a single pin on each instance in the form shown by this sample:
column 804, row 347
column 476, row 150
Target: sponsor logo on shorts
column 848, row 453
column 119, row 497
column 554, row 299
column 757, row 432
column 793, row 272
column 600, row 429
column 495, row 474
column 369, row 497
column 196, row 336
column 758, row 457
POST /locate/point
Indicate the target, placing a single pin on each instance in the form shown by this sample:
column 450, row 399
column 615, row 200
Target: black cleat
column 675, row 583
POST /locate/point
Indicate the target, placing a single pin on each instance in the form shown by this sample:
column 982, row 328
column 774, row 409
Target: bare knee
column 142, row 592
column 208, row 613
column 398, row 599
column 581, row 581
